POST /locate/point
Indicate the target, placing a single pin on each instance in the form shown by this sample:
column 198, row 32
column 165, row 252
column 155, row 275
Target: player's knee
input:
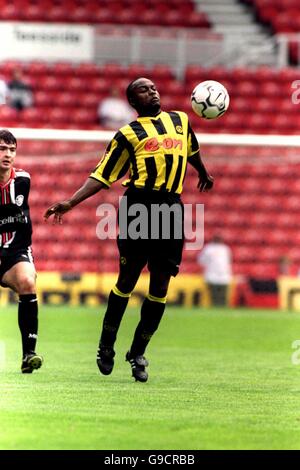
column 126, row 282
column 125, row 285
column 26, row 284
column 158, row 292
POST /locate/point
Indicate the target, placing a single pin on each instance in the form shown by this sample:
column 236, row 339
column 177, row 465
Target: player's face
column 7, row 155
column 146, row 96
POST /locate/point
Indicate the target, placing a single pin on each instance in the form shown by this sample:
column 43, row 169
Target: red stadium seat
column 270, row 89
column 83, row 116
column 90, row 100
column 81, row 14
column 136, row 70
column 246, row 88
column 99, row 85
column 198, row 20
column 50, row 83
column 8, row 116
column 58, row 115
column 43, row 98
column 35, row 67
column 33, row 116
column 62, row 68
column 75, row 84
column 37, row 147
column 102, row 16
column 87, row 70
column 10, row 12
column 59, row 14
column 33, row 12
column 111, row 71
column 161, row 72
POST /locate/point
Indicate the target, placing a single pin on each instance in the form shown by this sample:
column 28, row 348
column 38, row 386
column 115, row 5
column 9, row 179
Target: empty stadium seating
column 280, row 16
column 67, row 96
column 173, row 13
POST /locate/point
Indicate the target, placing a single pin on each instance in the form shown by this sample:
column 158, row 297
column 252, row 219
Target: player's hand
column 205, row 183
column 58, row 210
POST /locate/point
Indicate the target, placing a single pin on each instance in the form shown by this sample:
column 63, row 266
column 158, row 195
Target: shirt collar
column 11, row 177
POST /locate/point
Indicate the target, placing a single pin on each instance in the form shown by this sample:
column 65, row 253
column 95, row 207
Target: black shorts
column 7, row 262
column 158, row 218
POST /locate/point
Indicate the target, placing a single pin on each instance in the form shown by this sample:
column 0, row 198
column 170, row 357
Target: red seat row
column 282, row 17
column 115, row 12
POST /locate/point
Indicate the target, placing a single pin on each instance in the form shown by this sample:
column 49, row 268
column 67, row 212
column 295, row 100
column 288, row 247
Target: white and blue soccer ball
column 210, row 99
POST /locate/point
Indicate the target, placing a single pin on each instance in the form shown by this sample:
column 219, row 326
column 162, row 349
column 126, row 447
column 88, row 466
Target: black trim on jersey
column 106, row 186
column 108, row 147
column 169, row 163
column 176, row 120
column 158, row 124
column 138, row 130
column 123, row 170
column 178, row 173
column 151, row 171
column 194, row 142
column 113, row 160
column 119, row 137
column 129, row 147
column 115, row 155
column 106, row 151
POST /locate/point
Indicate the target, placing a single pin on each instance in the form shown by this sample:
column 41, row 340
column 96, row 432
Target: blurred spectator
column 114, row 112
column 20, row 94
column 216, row 259
column 287, row 267
column 3, row 91
column 284, row 265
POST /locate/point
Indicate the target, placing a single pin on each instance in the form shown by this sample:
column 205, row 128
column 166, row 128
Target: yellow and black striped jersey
column 154, row 150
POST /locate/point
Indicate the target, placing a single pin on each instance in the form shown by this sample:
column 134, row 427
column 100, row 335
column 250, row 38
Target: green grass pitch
column 218, row 379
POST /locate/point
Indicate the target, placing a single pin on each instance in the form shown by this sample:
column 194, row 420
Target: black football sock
column 117, row 303
column 28, row 321
column 151, row 313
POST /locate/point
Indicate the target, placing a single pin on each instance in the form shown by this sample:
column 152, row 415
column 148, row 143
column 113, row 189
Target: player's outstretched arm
column 89, row 188
column 206, row 181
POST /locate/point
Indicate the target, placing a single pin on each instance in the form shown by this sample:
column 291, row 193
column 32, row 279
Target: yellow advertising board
column 93, row 289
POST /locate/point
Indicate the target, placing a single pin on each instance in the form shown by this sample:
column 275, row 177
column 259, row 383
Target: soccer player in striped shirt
column 17, row 270
column 155, row 150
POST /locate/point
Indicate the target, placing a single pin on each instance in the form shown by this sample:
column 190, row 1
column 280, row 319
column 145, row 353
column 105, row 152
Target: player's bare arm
column 89, row 188
column 206, row 181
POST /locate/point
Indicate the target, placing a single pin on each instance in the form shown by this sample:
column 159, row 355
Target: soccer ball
column 210, row 99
